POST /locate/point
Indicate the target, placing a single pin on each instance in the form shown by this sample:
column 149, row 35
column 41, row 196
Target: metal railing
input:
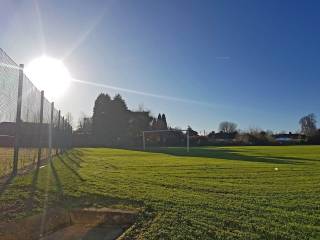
column 31, row 128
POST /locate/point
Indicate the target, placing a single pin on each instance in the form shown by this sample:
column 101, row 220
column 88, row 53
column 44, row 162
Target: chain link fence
column 31, row 129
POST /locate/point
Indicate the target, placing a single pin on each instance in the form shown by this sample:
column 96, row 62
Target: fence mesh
column 9, row 73
column 29, row 134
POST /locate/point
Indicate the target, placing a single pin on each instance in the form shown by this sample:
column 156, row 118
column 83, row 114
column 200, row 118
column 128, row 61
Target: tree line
column 229, row 134
column 113, row 124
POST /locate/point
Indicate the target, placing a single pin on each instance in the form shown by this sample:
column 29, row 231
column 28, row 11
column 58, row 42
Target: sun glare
column 49, row 74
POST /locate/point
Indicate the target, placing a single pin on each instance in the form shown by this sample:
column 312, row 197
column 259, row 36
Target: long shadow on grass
column 73, row 158
column 33, row 188
column 228, row 154
column 6, row 183
column 54, row 175
column 34, row 183
column 57, row 180
column 68, row 166
column 62, row 198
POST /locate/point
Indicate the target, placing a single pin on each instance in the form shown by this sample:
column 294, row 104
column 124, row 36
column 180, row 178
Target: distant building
column 7, row 128
column 222, row 136
column 288, row 137
column 7, row 133
column 29, row 133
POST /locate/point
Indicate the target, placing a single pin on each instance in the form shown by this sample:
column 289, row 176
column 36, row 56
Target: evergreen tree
column 192, row 132
column 159, row 122
column 164, row 122
column 138, row 122
column 119, row 104
column 100, row 118
column 113, row 123
column 154, row 124
column 119, row 123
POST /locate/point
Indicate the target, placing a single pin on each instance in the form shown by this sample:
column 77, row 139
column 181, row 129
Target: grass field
column 209, row 193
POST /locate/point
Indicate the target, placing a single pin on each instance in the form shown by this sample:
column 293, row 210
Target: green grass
column 209, row 193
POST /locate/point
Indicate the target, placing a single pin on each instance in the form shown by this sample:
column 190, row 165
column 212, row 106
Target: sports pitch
column 208, row 193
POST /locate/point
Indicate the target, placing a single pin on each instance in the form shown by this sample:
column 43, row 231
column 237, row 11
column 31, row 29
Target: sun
column 50, row 75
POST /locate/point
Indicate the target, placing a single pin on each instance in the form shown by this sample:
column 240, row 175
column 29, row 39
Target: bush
column 255, row 137
column 314, row 139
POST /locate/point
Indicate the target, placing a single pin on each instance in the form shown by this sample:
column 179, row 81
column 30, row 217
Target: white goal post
column 161, row 131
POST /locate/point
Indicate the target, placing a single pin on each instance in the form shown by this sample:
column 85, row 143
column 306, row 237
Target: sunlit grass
column 209, row 193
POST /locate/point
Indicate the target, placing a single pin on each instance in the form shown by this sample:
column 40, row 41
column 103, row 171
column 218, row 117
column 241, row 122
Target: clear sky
column 252, row 62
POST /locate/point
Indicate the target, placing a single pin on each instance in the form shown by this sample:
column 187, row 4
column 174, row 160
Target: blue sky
column 252, row 62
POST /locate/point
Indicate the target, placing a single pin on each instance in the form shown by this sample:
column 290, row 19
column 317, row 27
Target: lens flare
column 49, row 74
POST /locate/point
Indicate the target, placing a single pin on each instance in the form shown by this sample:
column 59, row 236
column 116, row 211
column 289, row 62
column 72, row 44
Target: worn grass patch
column 209, row 193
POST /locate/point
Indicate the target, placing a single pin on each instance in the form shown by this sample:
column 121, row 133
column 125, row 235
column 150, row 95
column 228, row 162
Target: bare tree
column 81, row 120
column 227, row 127
column 308, row 124
column 69, row 118
column 141, row 107
column 85, row 123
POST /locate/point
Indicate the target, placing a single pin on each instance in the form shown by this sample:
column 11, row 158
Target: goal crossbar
column 160, row 131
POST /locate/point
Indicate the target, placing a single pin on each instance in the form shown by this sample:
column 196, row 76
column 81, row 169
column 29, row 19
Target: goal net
column 165, row 138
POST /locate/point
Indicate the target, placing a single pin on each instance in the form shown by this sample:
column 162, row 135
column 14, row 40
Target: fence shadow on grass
column 228, row 154
column 33, row 188
column 59, row 193
column 5, row 183
column 74, row 158
column 69, row 165
column 56, row 178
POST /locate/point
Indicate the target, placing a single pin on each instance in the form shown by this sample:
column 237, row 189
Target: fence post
column 57, row 140
column 18, row 122
column 70, row 136
column 62, row 136
column 188, row 141
column 66, row 140
column 143, row 141
column 40, row 129
column 51, row 132
column 67, row 136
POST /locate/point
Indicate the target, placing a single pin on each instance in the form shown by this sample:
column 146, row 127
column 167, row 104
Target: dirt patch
column 90, row 223
column 77, row 232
